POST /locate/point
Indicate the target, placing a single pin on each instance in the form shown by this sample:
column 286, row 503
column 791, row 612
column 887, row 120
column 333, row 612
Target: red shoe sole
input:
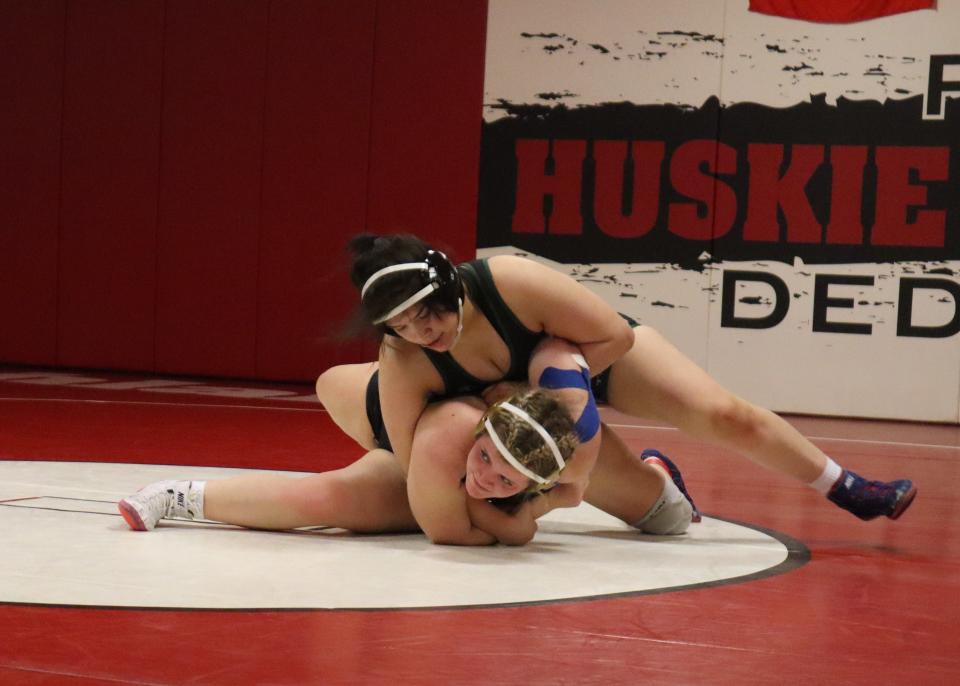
column 131, row 516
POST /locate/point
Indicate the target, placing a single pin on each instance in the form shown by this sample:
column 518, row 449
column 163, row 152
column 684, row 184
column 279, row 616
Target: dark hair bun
column 362, row 243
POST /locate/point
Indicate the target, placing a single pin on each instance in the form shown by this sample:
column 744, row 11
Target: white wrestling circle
column 65, row 544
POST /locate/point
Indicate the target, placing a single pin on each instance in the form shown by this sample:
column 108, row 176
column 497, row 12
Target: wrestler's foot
column 163, row 499
column 870, row 499
column 150, row 504
column 655, row 457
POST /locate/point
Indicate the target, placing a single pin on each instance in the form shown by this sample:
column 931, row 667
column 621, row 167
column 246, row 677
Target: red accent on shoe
column 131, row 516
column 657, row 462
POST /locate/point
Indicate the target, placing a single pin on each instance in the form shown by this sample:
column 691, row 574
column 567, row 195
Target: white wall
column 583, row 54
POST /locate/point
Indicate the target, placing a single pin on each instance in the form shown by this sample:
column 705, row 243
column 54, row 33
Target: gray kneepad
column 667, row 516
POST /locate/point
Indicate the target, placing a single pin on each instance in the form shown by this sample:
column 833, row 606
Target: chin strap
column 459, row 323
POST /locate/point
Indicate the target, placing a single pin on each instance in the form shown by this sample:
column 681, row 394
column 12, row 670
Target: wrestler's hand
column 561, row 495
column 500, row 391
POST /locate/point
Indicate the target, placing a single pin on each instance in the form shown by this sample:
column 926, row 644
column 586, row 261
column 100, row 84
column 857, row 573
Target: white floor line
column 162, row 404
column 812, row 438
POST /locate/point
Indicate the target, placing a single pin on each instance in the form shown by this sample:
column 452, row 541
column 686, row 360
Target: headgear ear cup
column 441, row 268
column 450, row 288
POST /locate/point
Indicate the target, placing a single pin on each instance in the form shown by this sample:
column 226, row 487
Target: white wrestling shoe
column 150, row 504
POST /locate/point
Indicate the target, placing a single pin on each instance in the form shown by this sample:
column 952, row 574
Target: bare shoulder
column 444, row 433
column 527, row 287
column 546, row 299
column 452, row 416
column 514, row 272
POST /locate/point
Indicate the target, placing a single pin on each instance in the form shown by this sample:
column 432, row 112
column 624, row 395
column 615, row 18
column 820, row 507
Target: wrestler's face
column 421, row 326
column 489, row 475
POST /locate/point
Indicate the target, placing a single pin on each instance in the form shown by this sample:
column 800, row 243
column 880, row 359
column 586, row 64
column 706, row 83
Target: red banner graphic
column 838, row 11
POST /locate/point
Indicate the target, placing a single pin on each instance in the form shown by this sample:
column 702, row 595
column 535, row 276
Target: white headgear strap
column 459, row 322
column 415, row 298
column 508, row 456
column 404, row 267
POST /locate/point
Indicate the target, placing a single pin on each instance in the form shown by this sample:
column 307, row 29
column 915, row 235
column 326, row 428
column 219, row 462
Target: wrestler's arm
column 560, row 495
column 519, row 527
column 407, row 379
column 437, row 497
column 546, row 300
column 509, row 528
column 559, row 354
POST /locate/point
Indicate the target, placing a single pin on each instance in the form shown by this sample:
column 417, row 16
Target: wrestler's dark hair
column 372, row 253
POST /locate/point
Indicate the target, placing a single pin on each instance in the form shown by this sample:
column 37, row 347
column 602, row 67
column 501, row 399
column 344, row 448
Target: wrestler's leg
column 620, row 483
column 367, row 496
column 654, row 379
column 342, row 390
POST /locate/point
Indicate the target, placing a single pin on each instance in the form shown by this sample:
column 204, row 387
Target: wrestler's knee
column 667, row 518
column 337, row 385
column 324, row 385
column 317, row 500
column 730, row 419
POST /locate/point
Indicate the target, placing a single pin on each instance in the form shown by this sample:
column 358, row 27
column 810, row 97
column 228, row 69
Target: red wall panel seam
column 156, row 226
column 263, row 139
column 373, row 89
column 63, row 100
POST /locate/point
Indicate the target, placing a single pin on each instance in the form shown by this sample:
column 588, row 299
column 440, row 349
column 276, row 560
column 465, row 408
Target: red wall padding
column 427, row 102
column 180, row 178
column 315, row 186
column 110, row 183
column 214, row 82
column 31, row 85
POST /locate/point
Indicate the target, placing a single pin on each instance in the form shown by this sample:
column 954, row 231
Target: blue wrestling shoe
column 871, row 499
column 651, row 456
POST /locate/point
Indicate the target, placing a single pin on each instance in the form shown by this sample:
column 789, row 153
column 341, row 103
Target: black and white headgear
column 439, row 276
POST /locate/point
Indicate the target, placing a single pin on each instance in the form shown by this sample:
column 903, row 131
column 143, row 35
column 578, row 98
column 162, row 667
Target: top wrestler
column 465, row 460
column 455, row 330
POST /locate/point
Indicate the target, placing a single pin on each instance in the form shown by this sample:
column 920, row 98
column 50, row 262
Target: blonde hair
column 524, row 442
